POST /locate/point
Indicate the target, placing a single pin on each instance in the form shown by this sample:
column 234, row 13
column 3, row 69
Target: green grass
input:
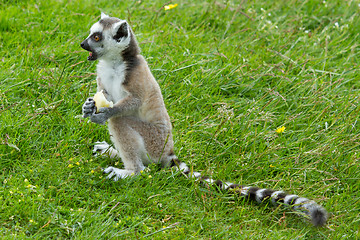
column 231, row 72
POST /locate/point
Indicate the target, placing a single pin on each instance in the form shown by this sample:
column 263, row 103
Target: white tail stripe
column 196, row 174
column 301, row 200
column 288, row 198
column 209, row 180
column 226, row 185
column 259, row 195
column 244, row 191
column 301, row 203
column 183, row 167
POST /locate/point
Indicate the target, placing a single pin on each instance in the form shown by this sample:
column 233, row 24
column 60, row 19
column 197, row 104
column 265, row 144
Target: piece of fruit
column 101, row 101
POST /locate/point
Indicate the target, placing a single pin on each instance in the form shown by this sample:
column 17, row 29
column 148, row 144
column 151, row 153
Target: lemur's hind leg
column 130, row 146
column 138, row 144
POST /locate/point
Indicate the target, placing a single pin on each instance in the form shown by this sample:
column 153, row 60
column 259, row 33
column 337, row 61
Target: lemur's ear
column 121, row 29
column 103, row 15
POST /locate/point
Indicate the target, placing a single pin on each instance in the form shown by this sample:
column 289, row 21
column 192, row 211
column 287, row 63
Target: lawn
column 231, row 72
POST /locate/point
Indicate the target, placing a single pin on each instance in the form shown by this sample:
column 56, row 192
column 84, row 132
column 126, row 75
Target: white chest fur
column 112, row 76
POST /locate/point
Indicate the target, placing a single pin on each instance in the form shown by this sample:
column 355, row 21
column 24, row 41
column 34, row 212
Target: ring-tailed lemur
column 139, row 124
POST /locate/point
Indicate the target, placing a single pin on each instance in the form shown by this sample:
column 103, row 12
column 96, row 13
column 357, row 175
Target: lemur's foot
column 104, row 149
column 116, row 173
column 88, row 108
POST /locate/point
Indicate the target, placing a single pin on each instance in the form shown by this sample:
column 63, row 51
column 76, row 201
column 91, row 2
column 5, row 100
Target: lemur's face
column 108, row 38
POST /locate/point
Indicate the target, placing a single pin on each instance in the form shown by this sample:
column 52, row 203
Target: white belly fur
column 112, row 79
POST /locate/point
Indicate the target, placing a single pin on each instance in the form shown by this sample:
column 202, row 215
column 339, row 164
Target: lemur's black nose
column 85, row 45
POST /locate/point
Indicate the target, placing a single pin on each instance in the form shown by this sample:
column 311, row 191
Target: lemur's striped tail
column 317, row 213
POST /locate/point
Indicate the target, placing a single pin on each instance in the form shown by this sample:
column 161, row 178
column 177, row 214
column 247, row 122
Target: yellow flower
column 77, row 163
column 70, row 166
column 92, row 171
column 150, row 176
column 280, row 129
column 171, row 6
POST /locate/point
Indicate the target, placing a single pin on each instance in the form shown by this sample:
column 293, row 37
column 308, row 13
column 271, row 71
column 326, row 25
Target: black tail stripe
column 252, row 193
column 267, row 194
column 234, row 186
column 280, row 197
column 219, row 183
column 174, row 162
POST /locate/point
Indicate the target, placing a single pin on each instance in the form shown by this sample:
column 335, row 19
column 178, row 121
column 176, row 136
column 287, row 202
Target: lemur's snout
column 85, row 45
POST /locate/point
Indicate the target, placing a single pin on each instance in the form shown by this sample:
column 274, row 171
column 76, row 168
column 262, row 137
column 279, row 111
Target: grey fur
column 139, row 124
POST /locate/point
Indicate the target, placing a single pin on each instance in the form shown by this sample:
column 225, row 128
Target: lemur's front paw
column 88, row 108
column 100, row 117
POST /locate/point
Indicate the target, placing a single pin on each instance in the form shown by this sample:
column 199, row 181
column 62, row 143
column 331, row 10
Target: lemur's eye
column 96, row 38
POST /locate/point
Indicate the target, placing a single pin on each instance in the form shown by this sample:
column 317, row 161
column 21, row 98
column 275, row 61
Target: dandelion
column 171, row 6
column 280, row 129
